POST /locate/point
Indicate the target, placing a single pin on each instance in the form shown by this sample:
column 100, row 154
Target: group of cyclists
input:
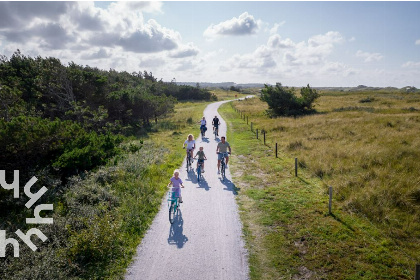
column 189, row 144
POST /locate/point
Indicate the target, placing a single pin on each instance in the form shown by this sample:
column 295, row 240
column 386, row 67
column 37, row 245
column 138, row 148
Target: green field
column 363, row 144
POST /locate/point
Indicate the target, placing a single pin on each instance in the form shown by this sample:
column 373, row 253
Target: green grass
column 288, row 231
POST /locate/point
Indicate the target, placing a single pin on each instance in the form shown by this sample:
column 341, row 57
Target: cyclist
column 216, row 124
column 175, row 181
column 201, row 158
column 190, row 143
column 203, row 127
column 222, row 152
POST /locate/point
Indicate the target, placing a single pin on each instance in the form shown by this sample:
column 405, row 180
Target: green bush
column 282, row 101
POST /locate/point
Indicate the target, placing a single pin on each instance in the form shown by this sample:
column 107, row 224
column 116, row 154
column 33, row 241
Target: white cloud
column 276, row 26
column 54, row 26
column 411, row 64
column 99, row 54
column 418, row 42
column 185, row 51
column 369, row 57
column 152, row 62
column 244, row 25
column 275, row 41
column 152, row 38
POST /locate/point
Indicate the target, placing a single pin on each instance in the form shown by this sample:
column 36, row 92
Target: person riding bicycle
column 201, row 158
column 221, row 150
column 203, row 127
column 176, row 182
column 216, row 124
column 190, row 142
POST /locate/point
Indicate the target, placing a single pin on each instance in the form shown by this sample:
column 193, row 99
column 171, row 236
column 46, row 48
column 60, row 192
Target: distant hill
column 227, row 85
column 222, row 85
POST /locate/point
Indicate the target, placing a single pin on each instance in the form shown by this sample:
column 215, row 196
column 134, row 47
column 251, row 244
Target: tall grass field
column 365, row 145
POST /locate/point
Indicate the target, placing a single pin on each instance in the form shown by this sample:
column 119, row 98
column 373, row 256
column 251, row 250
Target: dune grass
column 367, row 155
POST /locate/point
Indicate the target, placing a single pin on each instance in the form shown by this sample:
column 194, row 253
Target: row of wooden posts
column 330, row 189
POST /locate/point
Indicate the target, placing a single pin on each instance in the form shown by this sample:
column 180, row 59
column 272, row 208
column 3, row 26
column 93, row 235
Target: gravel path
column 205, row 242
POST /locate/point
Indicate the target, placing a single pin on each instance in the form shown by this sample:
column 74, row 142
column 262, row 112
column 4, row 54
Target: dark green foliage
column 233, row 88
column 282, row 101
column 64, row 123
column 186, row 92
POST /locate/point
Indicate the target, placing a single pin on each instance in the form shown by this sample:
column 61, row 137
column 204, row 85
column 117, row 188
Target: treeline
column 72, row 118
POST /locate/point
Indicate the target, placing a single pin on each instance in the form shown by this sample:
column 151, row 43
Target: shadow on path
column 203, row 184
column 176, row 237
column 229, row 185
column 191, row 176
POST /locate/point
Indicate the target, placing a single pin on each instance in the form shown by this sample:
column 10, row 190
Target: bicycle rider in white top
column 190, row 143
column 203, row 123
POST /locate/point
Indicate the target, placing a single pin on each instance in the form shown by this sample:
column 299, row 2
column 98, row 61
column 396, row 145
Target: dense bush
column 282, row 101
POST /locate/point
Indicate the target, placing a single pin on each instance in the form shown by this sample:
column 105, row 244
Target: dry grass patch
column 369, row 153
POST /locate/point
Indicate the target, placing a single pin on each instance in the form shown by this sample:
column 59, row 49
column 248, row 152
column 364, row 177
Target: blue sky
column 293, row 42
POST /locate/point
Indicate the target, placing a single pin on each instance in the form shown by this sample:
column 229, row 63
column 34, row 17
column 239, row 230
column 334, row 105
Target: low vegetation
column 102, row 142
column 370, row 159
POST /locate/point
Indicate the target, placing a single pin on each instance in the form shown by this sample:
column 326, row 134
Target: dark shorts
column 200, row 160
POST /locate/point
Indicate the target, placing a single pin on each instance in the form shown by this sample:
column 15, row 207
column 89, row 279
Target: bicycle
column 189, row 160
column 173, row 204
column 223, row 166
column 200, row 166
column 216, row 131
column 203, row 131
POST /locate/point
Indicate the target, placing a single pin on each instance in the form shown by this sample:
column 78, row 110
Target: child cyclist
column 176, row 182
column 201, row 158
column 190, row 143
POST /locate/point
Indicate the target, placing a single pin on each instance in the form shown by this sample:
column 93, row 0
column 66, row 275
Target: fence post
column 264, row 136
column 246, row 119
column 251, row 127
column 276, row 151
column 417, row 275
column 330, row 200
column 257, row 133
column 296, row 167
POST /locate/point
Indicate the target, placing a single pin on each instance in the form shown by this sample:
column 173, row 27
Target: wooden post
column 330, row 200
column 264, row 137
column 246, row 119
column 296, row 167
column 257, row 133
column 276, row 151
column 417, row 275
column 251, row 127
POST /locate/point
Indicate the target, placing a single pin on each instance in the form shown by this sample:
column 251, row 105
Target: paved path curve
column 206, row 241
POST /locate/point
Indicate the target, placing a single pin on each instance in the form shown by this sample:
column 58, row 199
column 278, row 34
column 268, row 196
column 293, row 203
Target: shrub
column 283, row 102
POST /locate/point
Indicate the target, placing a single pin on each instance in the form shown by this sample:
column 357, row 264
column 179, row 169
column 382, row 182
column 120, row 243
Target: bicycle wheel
column 172, row 210
column 188, row 162
column 198, row 173
column 223, row 170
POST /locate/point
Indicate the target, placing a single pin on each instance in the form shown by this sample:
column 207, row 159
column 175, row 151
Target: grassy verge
column 287, row 228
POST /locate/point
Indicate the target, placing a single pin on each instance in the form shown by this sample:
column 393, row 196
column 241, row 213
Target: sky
column 320, row 43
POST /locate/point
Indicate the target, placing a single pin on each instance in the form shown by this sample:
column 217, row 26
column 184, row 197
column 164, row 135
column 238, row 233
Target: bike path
column 205, row 241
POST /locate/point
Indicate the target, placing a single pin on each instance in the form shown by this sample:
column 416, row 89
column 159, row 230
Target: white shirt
column 190, row 144
column 203, row 122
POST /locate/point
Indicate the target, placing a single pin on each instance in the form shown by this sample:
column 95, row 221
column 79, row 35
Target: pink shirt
column 176, row 183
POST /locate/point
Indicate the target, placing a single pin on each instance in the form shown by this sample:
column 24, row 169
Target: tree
column 282, row 101
column 308, row 97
